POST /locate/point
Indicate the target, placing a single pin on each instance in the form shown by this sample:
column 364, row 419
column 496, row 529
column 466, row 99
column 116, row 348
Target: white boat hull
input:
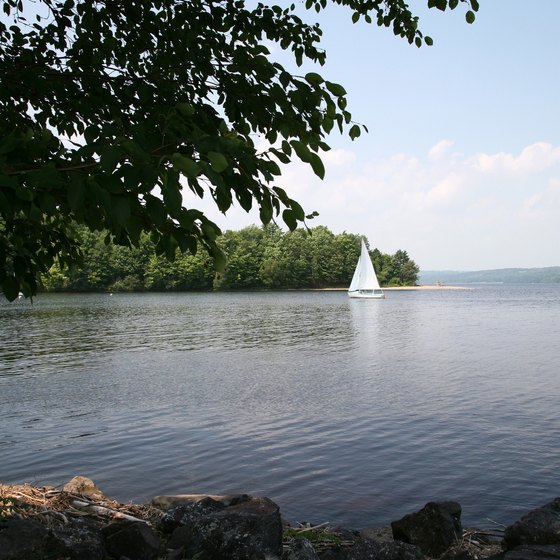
column 367, row 294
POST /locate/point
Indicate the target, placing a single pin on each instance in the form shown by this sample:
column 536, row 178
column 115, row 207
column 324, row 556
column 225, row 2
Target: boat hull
column 367, row 294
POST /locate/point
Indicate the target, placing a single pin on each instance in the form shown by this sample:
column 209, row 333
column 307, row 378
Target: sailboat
column 364, row 282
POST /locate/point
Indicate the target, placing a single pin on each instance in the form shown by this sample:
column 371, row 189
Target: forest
column 257, row 257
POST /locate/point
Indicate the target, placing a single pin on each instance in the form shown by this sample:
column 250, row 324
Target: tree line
column 257, row 257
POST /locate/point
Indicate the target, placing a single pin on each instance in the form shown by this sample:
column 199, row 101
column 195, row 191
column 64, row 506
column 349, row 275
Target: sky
column 461, row 166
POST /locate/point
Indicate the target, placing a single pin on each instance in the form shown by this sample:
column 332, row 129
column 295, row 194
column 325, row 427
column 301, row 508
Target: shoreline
column 78, row 517
column 423, row 287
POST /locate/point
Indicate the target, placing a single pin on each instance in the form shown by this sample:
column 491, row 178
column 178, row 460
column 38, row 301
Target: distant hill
column 548, row 275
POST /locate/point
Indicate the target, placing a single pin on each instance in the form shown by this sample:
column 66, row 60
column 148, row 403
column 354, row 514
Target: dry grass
column 53, row 507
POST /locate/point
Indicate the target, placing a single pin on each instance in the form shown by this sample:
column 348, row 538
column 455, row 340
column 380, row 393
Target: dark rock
column 169, row 502
column 379, row 534
column 132, row 539
column 533, row 552
column 22, row 539
column 539, row 526
column 185, row 514
column 249, row 530
column 300, row 549
column 367, row 549
column 79, row 540
column 434, row 528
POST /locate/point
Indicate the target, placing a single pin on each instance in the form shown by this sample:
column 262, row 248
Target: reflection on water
column 350, row 411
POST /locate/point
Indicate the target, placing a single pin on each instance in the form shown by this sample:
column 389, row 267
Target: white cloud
column 447, row 212
column 338, row 157
column 531, row 159
column 439, row 150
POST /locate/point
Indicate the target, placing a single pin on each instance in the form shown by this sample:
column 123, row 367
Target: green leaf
column 297, row 210
column 209, row 231
column 24, row 193
column 355, row 132
column 301, row 150
column 10, row 287
column 223, row 198
column 470, row 17
column 91, row 133
column 109, row 157
column 314, row 79
column 429, row 41
column 185, row 109
column 289, row 219
column 185, row 165
column 336, row 89
column 120, row 209
column 317, row 165
column 8, row 181
column 265, row 211
column 218, row 161
column 219, row 260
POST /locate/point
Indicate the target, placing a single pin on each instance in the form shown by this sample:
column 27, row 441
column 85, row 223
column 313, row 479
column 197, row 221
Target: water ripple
column 353, row 412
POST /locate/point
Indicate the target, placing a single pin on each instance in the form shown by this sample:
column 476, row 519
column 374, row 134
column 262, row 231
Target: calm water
column 353, row 412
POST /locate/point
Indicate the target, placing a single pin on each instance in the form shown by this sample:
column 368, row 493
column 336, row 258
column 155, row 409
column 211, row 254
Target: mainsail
column 364, row 276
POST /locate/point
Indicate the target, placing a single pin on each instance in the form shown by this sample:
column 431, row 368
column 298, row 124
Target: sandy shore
column 428, row 287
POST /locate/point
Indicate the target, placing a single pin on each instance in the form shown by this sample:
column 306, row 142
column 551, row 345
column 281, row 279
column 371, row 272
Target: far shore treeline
column 258, row 257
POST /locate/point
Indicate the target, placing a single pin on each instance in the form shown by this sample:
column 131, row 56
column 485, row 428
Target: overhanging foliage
column 119, row 115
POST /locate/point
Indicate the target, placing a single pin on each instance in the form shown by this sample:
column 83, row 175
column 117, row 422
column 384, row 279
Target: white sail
column 364, row 282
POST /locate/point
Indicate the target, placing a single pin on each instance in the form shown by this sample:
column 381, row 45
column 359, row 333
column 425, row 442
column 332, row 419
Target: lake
column 349, row 411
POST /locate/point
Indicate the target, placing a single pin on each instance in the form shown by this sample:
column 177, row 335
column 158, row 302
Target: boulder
column 367, row 549
column 85, row 486
column 184, row 514
column 540, row 526
column 131, row 539
column 22, row 539
column 435, row 528
column 250, row 529
column 533, row 552
column 80, row 539
column 168, row 502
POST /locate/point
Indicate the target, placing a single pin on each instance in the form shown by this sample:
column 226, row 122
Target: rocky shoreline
column 79, row 522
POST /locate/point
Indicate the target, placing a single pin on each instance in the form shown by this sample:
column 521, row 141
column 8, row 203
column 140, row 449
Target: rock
column 433, row 529
column 539, row 526
column 251, row 529
column 367, row 549
column 300, row 549
column 390, row 551
column 185, row 514
column 22, row 539
column 131, row 539
column 168, row 502
column 85, row 486
column 79, row 540
column 533, row 552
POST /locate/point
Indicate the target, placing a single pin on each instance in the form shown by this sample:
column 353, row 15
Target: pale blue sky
column 461, row 166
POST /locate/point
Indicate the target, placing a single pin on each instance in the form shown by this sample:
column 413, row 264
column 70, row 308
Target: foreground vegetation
column 257, row 258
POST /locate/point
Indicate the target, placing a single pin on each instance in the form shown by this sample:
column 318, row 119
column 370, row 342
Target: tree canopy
column 263, row 257
column 118, row 116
